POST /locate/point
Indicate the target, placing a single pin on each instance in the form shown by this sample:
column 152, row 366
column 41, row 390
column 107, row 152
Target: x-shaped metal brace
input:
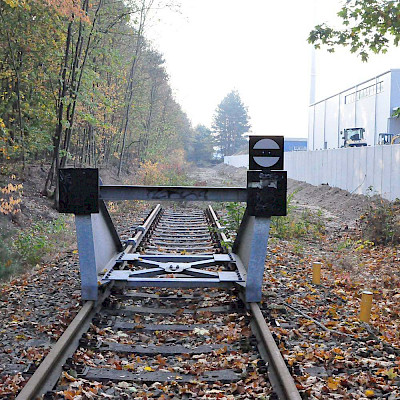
column 190, row 266
column 185, row 268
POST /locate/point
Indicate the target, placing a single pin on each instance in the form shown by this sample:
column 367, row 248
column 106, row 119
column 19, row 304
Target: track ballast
column 170, row 343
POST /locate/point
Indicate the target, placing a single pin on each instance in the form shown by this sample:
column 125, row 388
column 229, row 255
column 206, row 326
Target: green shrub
column 9, row 259
column 233, row 218
column 294, row 226
column 32, row 243
column 170, row 171
column 381, row 222
column 230, row 217
column 290, row 226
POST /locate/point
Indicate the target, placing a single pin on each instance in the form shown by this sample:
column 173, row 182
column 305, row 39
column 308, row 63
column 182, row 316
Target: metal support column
column 251, row 247
column 266, row 197
column 98, row 241
column 87, row 256
column 258, row 253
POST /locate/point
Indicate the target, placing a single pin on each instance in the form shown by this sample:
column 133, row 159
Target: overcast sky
column 258, row 47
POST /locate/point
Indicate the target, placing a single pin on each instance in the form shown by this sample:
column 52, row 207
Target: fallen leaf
column 333, row 383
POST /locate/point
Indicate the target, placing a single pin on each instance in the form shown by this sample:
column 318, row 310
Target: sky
column 259, row 48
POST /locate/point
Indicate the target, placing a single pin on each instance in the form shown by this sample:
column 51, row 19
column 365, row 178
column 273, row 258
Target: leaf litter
column 329, row 351
column 347, row 360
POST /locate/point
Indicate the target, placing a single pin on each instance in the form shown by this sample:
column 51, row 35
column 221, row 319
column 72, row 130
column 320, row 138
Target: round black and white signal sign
column 266, row 152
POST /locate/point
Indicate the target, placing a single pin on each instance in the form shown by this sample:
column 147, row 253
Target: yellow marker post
column 366, row 305
column 316, row 273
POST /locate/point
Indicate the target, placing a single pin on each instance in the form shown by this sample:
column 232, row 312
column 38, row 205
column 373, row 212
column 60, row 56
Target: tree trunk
column 60, row 112
column 18, row 91
column 129, row 92
column 77, row 76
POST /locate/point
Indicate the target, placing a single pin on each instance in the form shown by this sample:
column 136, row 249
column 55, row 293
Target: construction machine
column 385, row 138
column 388, row 138
column 396, row 139
column 353, row 137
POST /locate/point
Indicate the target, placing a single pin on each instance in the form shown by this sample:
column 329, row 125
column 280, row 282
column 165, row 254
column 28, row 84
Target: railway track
column 167, row 343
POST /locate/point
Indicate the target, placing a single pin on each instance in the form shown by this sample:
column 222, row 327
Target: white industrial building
column 367, row 105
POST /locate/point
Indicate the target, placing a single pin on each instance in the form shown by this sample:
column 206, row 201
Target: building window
column 350, row 98
column 365, row 92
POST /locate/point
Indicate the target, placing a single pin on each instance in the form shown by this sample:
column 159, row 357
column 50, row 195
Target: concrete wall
column 353, row 169
column 241, row 160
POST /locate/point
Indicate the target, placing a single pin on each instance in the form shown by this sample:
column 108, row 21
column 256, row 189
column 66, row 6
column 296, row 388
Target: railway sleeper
column 132, row 310
column 104, row 374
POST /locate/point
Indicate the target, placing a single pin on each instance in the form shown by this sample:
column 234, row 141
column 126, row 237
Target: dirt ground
column 338, row 205
column 345, row 207
column 220, row 175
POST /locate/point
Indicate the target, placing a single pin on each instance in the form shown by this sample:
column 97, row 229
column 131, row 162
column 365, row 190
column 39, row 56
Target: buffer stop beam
column 100, row 249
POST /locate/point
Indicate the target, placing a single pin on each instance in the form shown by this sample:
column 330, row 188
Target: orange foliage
column 150, row 174
column 10, row 203
column 171, row 171
column 67, row 8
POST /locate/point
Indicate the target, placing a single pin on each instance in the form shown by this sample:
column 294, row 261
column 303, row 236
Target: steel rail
column 144, row 229
column 33, row 387
column 48, row 372
column 218, row 225
column 280, row 377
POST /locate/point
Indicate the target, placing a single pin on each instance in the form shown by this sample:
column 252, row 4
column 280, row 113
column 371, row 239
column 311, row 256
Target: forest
column 81, row 85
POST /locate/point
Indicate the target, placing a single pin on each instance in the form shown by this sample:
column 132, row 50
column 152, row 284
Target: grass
column 39, row 239
column 294, row 225
column 297, row 225
column 23, row 248
column 10, row 261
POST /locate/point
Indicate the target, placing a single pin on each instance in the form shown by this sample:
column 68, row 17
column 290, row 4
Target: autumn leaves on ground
column 331, row 353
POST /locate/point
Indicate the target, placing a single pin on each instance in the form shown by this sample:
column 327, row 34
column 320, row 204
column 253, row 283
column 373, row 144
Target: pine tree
column 202, row 147
column 231, row 122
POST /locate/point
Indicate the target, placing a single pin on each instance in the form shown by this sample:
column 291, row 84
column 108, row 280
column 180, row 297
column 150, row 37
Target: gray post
column 251, row 247
column 258, row 253
column 98, row 241
column 266, row 197
column 87, row 256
